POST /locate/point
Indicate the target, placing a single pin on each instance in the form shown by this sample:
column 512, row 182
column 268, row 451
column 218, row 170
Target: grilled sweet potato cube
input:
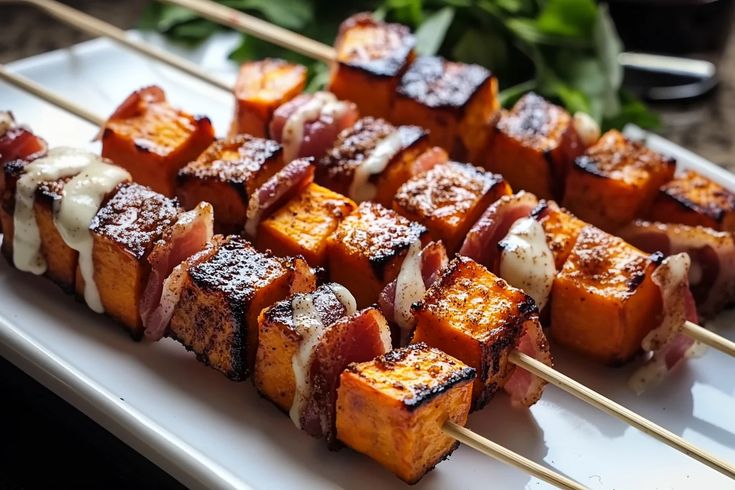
column 303, row 225
column 603, row 300
column 615, row 181
column 561, row 228
column 226, row 175
column 448, row 199
column 393, row 408
column 475, row 316
column 152, row 140
column 336, row 170
column 222, row 296
column 261, row 87
column 366, row 251
column 534, row 145
column 456, row 102
column 371, row 57
column 124, row 231
column 693, row 199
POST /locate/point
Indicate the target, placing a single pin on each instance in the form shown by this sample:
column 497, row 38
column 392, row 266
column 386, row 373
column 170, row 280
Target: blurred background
column 583, row 54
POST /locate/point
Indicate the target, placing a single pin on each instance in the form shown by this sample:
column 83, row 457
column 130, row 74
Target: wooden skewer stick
column 96, row 27
column 606, row 405
column 708, row 337
column 462, row 434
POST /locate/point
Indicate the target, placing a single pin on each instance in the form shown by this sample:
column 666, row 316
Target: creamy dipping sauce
column 83, row 195
column 409, row 289
column 526, row 261
column 375, row 163
column 321, row 104
column 59, row 163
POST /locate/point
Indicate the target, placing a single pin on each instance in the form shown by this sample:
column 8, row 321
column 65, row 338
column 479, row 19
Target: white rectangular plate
column 209, row 432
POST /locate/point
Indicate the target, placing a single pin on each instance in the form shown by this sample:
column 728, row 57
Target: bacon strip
column 188, row 236
column 285, row 184
column 524, row 388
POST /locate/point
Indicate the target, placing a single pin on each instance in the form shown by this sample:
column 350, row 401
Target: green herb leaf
column 292, row 14
column 430, row 35
column 572, row 18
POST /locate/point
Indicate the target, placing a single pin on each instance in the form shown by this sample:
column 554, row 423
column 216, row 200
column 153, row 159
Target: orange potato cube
column 393, row 408
column 303, row 225
column 366, row 251
column 533, row 146
column 475, row 316
column 336, row 170
column 604, row 301
column 449, row 199
column 371, row 56
column 124, row 231
column 226, row 175
column 222, row 296
column 615, row 181
column 261, row 87
column 456, row 102
column 561, row 229
column 694, row 200
column 152, row 140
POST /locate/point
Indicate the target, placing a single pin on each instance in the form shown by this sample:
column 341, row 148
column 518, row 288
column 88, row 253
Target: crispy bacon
column 524, row 388
column 285, row 184
column 481, row 243
column 712, row 253
column 188, row 236
column 17, row 142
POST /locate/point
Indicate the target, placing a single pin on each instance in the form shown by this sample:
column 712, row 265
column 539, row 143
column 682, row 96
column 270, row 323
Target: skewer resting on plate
column 525, row 362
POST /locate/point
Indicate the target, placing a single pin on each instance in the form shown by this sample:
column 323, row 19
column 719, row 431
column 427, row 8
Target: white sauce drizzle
column 409, row 289
column 321, row 104
column 83, row 195
column 387, row 148
column 57, row 164
column 587, row 128
column 526, row 261
column 345, row 297
column 671, row 279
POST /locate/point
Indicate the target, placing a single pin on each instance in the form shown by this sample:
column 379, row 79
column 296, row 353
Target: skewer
column 525, row 362
column 461, row 434
column 709, row 338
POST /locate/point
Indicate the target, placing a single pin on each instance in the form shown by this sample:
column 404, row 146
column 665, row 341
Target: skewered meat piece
column 152, row 140
column 16, row 143
column 261, row 87
column 304, row 223
column 306, row 341
column 221, row 294
column 456, row 102
column 692, row 199
column 604, row 300
column 226, row 175
column 615, row 181
column 124, row 231
column 449, row 199
column 371, row 57
column 393, row 408
column 534, row 145
column 367, row 249
column 370, row 160
column 471, row 314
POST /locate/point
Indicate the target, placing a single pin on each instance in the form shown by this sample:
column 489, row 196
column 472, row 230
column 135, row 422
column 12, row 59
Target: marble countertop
column 704, row 126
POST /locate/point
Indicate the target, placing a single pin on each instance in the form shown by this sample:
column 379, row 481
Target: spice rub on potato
column 152, row 140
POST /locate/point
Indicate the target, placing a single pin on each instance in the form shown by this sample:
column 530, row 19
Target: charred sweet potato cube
column 152, row 140
column 354, row 146
column 261, row 87
column 367, row 249
column 615, row 181
column 124, row 231
column 226, row 175
column 534, row 145
column 561, row 228
column 448, row 199
column 371, row 57
column 475, row 316
column 604, row 301
column 221, row 298
column 693, row 199
column 456, row 102
column 393, row 408
column 303, row 225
